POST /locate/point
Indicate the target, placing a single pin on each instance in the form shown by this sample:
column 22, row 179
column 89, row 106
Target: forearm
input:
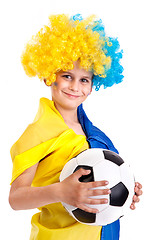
column 28, row 197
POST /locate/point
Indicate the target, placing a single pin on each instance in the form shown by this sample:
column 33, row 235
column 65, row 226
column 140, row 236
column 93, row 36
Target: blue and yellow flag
column 49, row 141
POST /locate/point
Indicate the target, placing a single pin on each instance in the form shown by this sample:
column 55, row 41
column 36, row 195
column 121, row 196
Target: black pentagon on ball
column 119, row 194
column 84, row 216
column 86, row 178
column 113, row 157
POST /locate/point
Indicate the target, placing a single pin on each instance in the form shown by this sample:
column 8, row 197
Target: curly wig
column 65, row 40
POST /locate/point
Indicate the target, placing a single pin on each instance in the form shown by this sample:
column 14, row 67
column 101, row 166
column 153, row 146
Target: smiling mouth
column 71, row 95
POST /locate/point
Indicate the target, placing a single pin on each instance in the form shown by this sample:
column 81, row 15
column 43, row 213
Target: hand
column 78, row 194
column 138, row 192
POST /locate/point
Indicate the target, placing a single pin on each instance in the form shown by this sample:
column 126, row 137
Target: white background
column 128, row 112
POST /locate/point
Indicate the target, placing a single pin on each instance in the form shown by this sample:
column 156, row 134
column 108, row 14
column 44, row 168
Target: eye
column 84, row 80
column 67, row 76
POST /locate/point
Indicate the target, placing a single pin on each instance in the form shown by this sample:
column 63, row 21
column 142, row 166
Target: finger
column 81, row 172
column 138, row 191
column 93, row 201
column 137, row 184
column 98, row 192
column 88, row 209
column 97, row 184
column 135, row 199
column 132, row 206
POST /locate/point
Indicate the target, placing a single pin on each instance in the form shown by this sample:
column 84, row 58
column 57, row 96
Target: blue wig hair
column 111, row 48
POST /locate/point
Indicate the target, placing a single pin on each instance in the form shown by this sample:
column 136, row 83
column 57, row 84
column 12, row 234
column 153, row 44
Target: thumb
column 81, row 172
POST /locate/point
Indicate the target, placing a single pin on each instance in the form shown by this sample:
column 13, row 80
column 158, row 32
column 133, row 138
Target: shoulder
column 104, row 139
column 96, row 137
column 47, row 124
column 29, row 139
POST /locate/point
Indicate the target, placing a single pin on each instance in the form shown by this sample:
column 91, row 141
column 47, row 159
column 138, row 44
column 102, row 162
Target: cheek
column 88, row 91
column 61, row 84
column 54, row 86
column 58, row 85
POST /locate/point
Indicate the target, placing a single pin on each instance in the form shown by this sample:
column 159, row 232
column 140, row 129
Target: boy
column 71, row 56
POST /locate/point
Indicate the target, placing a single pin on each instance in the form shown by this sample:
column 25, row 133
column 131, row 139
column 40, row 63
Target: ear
column 90, row 91
column 44, row 80
column 47, row 82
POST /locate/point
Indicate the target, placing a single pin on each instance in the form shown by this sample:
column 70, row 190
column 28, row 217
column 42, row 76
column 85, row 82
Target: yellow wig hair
column 65, row 40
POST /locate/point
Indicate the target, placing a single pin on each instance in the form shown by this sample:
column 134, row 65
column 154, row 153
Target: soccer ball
column 104, row 165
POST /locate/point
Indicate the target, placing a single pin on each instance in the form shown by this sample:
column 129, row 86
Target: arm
column 23, row 196
column 71, row 191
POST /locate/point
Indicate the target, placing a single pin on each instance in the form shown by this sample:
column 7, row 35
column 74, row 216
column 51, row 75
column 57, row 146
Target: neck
column 69, row 115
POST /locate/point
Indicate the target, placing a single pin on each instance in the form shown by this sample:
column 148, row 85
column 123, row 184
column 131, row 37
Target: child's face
column 71, row 87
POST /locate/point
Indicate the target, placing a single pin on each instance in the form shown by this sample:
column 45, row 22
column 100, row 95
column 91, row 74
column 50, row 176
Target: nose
column 74, row 85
